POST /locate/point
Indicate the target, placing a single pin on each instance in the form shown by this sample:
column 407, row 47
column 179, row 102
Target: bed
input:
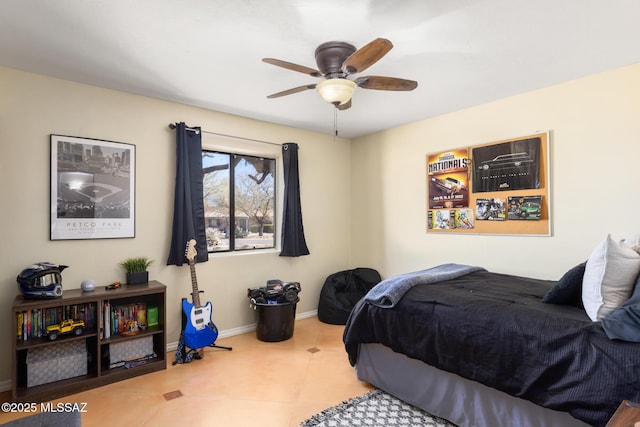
column 480, row 348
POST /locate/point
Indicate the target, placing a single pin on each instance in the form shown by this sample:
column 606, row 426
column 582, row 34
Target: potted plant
column 136, row 268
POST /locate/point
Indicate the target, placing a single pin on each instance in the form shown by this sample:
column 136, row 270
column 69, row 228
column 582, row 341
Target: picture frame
column 92, row 188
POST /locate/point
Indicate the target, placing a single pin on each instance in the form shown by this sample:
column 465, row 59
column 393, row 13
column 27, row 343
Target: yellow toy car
column 66, row 327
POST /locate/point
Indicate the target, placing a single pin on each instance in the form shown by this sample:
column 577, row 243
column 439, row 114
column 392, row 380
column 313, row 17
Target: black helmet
column 41, row 280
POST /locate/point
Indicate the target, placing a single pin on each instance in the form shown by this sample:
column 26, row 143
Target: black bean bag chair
column 342, row 290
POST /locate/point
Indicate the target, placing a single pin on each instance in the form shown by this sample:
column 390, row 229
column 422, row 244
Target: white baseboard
column 6, row 384
column 244, row 329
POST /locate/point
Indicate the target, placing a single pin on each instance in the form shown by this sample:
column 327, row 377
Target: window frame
column 233, row 154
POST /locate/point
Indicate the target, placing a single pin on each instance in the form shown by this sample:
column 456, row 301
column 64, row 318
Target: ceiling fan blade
column 385, row 83
column 294, row 67
column 344, row 106
column 366, row 56
column 292, row 91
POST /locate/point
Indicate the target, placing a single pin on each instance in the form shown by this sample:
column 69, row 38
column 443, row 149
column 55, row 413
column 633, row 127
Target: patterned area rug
column 376, row 408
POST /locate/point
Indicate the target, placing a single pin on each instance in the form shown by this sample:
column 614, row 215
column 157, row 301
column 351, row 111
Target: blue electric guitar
column 199, row 330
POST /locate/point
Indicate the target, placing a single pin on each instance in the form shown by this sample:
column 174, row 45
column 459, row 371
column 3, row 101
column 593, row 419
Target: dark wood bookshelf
column 98, row 371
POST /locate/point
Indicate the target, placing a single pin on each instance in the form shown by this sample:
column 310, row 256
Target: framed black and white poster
column 92, row 188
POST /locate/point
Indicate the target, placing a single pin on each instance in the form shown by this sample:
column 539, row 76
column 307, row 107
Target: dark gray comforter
column 492, row 328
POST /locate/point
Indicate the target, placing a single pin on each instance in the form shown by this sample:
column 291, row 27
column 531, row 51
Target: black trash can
column 274, row 322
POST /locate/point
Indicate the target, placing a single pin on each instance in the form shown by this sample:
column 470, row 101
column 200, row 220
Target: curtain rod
column 173, row 126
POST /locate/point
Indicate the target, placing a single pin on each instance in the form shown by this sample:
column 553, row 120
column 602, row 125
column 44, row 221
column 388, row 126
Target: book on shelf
column 32, row 324
column 106, row 319
column 152, row 316
column 123, row 319
column 132, row 363
column 19, row 320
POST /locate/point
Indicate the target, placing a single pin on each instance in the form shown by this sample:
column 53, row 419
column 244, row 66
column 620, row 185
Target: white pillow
column 609, row 277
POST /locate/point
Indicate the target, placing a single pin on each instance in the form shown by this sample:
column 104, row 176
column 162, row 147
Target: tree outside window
column 244, row 192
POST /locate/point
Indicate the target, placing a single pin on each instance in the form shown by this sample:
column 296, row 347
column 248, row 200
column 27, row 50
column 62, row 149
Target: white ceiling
column 208, row 53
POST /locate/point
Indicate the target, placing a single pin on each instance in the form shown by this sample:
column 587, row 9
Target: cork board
column 500, row 187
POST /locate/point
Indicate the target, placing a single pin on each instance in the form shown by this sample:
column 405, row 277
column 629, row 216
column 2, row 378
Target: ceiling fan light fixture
column 336, row 91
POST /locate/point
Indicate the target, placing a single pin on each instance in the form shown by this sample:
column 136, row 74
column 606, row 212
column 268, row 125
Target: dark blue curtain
column 293, row 242
column 188, row 208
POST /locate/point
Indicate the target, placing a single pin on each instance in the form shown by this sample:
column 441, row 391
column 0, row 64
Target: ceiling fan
column 336, row 61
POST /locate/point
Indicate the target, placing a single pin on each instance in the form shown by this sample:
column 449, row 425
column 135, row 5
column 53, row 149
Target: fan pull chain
column 335, row 123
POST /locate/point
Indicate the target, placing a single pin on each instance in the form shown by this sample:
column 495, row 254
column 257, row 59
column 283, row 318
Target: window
column 239, row 201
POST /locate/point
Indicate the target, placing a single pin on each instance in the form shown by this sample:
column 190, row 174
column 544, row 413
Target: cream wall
column 33, row 106
column 594, row 125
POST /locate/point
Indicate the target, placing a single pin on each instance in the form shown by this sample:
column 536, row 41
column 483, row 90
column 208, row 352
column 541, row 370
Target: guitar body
column 199, row 329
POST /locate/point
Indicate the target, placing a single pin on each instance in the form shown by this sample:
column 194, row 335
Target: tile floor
column 256, row 384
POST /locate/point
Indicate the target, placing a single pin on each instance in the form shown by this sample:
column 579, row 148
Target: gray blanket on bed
column 387, row 293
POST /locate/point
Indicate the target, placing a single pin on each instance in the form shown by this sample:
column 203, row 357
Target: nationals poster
column 448, row 179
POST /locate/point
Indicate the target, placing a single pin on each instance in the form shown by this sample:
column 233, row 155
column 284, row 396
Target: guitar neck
column 195, row 296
